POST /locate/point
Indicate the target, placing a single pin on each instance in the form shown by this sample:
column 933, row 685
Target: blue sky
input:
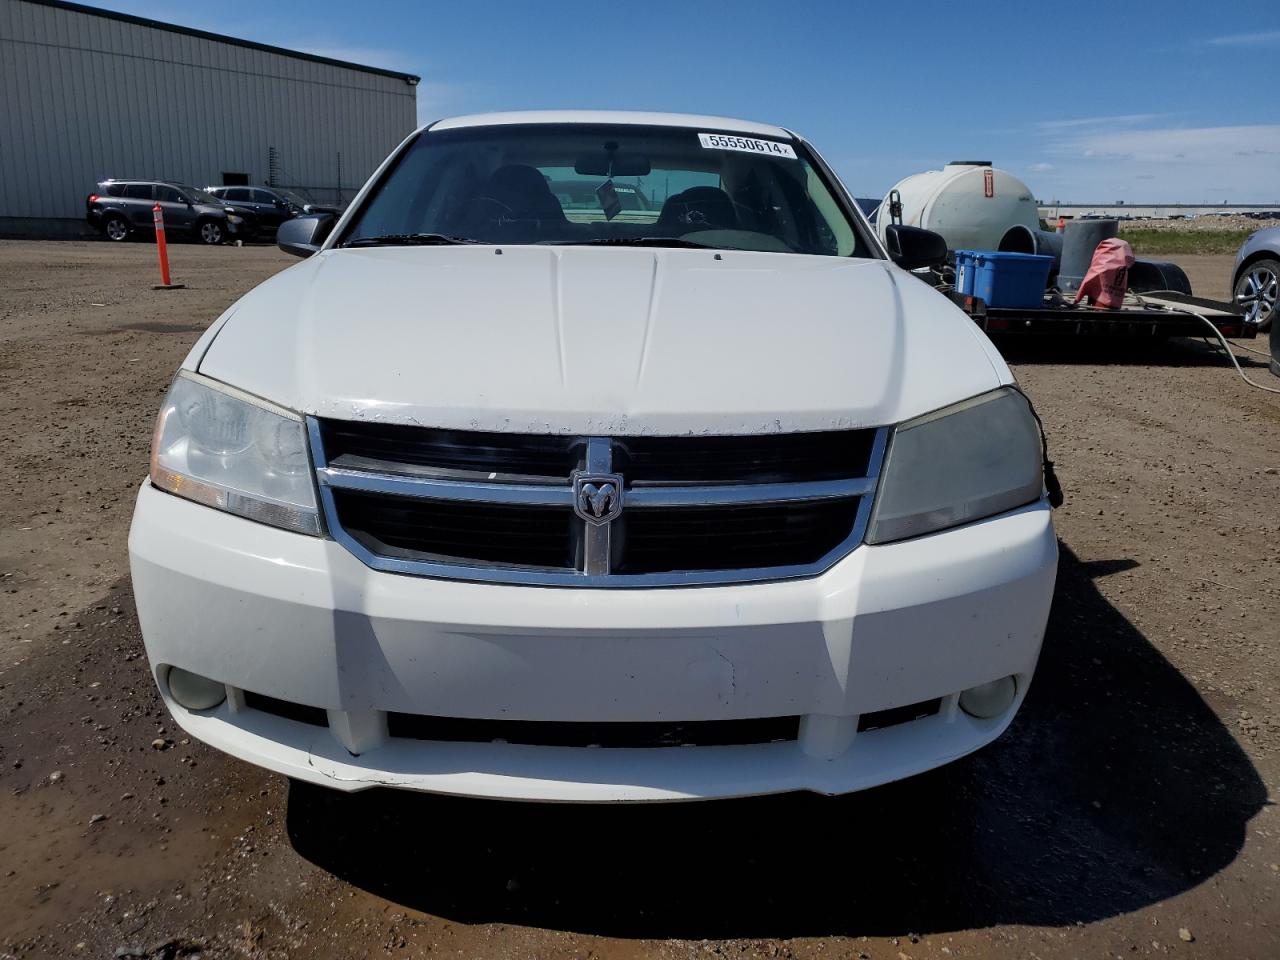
column 1088, row 101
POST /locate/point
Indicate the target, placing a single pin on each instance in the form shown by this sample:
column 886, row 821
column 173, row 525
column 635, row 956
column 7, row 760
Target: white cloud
column 1041, row 167
column 1077, row 123
column 1215, row 145
column 1105, row 161
column 1261, row 38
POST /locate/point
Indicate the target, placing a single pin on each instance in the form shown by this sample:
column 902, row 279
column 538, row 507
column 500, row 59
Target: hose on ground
column 1256, row 353
column 1226, row 348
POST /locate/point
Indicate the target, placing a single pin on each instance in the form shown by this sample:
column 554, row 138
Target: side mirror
column 302, row 236
column 912, row 248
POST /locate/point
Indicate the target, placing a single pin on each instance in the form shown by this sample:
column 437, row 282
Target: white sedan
column 709, row 500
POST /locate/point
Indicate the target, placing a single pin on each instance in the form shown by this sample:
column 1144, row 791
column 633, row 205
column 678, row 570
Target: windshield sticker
column 720, row 141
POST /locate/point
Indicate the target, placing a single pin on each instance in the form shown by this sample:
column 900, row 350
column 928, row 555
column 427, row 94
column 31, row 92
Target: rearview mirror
column 302, row 236
column 912, row 248
column 609, row 164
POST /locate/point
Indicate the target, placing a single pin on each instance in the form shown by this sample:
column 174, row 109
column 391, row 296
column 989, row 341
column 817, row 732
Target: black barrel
column 1022, row 239
column 1148, row 276
column 1080, row 238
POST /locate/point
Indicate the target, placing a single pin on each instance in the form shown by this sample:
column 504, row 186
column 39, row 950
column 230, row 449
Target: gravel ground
column 1126, row 813
column 1200, row 224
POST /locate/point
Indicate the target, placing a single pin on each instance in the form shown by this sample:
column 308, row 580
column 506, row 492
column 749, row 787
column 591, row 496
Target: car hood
column 600, row 340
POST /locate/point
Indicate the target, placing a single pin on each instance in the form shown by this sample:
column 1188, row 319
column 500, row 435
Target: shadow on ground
column 1116, row 787
column 1137, row 351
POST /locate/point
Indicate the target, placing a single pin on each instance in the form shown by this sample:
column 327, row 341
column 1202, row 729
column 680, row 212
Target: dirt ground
column 1127, row 813
column 1200, row 224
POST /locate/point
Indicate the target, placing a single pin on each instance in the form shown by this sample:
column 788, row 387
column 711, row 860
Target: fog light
column 988, row 700
column 194, row 691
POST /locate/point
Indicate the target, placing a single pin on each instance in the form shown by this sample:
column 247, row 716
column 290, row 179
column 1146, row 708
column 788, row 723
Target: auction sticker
column 723, row 141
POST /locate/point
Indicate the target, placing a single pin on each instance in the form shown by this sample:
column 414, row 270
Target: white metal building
column 87, row 94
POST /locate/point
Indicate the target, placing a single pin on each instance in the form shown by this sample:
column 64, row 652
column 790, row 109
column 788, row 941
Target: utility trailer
column 1157, row 314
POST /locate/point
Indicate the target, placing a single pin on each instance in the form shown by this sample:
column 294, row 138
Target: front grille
column 755, row 537
column 768, row 458
column 299, row 712
column 595, row 511
column 450, row 532
column 450, row 453
column 698, row 733
column 879, row 719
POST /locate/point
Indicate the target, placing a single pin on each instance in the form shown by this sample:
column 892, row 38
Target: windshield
column 200, row 196
column 580, row 183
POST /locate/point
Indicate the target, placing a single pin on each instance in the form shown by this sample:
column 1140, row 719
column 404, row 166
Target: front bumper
column 300, row 619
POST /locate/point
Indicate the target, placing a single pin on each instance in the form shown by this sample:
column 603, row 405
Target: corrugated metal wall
column 84, row 97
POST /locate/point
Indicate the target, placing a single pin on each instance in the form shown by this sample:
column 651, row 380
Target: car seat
column 523, row 193
column 698, row 208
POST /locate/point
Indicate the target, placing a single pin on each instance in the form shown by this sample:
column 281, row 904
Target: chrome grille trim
column 721, row 495
column 547, row 495
column 596, row 540
column 430, row 488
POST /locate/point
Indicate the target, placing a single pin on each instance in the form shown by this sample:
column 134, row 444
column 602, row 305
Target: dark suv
column 119, row 208
column 265, row 208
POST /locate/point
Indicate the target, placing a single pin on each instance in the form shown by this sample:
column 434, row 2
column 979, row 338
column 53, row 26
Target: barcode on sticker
column 723, row 141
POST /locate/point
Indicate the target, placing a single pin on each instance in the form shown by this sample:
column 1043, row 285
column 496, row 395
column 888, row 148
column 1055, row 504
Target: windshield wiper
column 409, row 240
column 638, row 242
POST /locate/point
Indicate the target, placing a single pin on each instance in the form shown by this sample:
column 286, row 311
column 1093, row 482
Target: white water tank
column 969, row 202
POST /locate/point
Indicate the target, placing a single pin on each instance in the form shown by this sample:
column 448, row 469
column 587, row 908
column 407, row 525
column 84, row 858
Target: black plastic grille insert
column 701, row 733
column 452, row 531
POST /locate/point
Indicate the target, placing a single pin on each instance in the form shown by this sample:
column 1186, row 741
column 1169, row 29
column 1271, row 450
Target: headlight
column 959, row 464
column 226, row 449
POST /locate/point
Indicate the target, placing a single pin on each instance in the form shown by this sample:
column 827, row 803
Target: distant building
column 1052, row 209
column 87, row 94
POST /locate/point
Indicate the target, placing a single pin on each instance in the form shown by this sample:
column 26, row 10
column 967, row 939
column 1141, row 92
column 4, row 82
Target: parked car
column 265, row 208
column 120, row 208
column 307, row 206
column 1255, row 281
column 488, row 500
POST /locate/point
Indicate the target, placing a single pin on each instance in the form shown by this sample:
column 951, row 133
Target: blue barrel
column 1011, row 279
column 964, row 271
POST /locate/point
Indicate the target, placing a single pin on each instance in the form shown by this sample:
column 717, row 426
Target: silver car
column 1256, row 281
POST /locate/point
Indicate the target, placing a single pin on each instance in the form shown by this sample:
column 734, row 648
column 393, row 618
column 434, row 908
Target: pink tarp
column 1108, row 277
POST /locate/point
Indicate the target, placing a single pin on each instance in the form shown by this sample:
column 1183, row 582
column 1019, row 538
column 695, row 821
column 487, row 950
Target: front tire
column 1257, row 292
column 116, row 228
column 211, row 232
